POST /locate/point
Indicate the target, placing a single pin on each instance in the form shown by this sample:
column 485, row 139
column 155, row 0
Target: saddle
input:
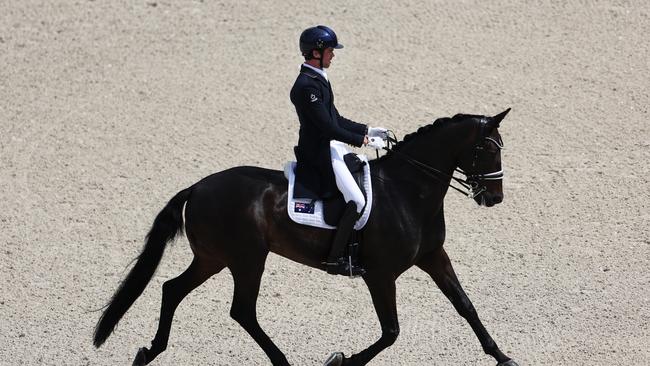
column 327, row 213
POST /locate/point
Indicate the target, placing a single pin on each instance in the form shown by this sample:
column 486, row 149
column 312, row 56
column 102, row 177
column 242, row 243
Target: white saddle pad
column 297, row 207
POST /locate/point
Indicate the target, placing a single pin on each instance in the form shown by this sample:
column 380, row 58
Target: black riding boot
column 337, row 262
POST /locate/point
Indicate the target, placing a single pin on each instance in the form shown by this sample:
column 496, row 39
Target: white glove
column 378, row 132
column 376, row 143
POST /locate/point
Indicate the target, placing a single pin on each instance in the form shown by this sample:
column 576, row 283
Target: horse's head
column 481, row 163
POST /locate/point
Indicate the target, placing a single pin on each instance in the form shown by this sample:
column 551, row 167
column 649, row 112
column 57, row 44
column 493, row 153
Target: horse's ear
column 496, row 120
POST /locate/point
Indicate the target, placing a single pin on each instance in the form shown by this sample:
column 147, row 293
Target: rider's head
column 318, row 43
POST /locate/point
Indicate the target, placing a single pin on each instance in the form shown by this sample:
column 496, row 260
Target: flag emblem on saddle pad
column 303, row 207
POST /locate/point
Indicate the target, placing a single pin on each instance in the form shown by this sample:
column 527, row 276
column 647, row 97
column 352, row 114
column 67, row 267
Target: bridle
column 471, row 184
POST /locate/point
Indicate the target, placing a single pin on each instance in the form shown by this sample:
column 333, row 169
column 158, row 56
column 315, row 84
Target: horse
column 235, row 217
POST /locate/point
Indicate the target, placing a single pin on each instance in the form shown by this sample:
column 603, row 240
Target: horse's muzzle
column 489, row 199
column 497, row 198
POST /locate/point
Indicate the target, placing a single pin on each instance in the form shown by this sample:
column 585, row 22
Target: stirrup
column 345, row 267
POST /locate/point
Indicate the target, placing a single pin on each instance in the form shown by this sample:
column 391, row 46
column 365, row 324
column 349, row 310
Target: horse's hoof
column 140, row 357
column 508, row 363
column 335, row 359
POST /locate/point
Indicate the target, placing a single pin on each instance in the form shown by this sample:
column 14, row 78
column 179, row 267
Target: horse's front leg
column 438, row 266
column 382, row 291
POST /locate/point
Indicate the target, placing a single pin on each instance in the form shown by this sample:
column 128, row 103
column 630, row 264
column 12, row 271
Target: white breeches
column 344, row 180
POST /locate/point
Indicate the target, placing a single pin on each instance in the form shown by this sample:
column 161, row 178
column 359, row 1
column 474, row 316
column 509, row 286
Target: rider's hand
column 378, row 132
column 365, row 140
column 376, row 143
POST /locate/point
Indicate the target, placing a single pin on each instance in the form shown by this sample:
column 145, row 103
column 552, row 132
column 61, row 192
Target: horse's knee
column 236, row 314
column 168, row 287
column 390, row 335
column 241, row 315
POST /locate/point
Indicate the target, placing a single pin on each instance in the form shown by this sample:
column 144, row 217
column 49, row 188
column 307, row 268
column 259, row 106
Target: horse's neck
column 438, row 151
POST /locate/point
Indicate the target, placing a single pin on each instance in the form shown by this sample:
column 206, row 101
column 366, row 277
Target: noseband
column 473, row 179
column 471, row 185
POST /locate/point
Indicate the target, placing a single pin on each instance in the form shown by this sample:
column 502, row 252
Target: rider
column 320, row 167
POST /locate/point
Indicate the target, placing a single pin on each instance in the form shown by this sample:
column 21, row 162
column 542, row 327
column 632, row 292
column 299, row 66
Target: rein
column 470, row 185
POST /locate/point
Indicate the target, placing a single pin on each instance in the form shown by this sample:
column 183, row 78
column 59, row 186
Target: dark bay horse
column 234, row 218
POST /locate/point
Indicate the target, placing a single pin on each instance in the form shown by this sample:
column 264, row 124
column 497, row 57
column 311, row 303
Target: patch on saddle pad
column 311, row 212
column 303, row 207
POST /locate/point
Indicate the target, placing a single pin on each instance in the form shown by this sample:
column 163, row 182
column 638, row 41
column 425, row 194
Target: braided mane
column 431, row 127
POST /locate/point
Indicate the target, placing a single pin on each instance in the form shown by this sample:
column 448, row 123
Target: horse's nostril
column 497, row 198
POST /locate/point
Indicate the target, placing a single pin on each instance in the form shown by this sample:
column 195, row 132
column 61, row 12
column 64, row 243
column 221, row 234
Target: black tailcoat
column 320, row 123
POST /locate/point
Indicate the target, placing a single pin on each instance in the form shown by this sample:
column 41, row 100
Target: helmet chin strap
column 320, row 59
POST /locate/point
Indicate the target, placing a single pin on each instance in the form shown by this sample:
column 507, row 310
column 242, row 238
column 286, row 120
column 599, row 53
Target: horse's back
column 247, row 175
column 235, row 188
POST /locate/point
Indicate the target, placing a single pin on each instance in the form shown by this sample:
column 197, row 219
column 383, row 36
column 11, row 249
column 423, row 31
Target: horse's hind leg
column 173, row 292
column 247, row 275
column 438, row 266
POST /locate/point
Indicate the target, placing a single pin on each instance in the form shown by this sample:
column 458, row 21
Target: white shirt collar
column 320, row 71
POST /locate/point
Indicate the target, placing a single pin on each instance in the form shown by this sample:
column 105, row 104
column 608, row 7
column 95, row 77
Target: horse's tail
column 166, row 226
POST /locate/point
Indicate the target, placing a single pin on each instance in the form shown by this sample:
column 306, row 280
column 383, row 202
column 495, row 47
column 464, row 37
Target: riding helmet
column 317, row 38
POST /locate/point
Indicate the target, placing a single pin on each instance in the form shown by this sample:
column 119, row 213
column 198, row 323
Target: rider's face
column 328, row 55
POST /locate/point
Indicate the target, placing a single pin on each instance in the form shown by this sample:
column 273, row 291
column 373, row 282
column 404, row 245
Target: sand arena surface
column 107, row 109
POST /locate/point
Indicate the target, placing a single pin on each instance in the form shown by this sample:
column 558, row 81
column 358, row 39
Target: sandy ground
column 109, row 108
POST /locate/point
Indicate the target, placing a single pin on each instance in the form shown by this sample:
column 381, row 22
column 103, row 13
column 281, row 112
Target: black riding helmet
column 317, row 38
